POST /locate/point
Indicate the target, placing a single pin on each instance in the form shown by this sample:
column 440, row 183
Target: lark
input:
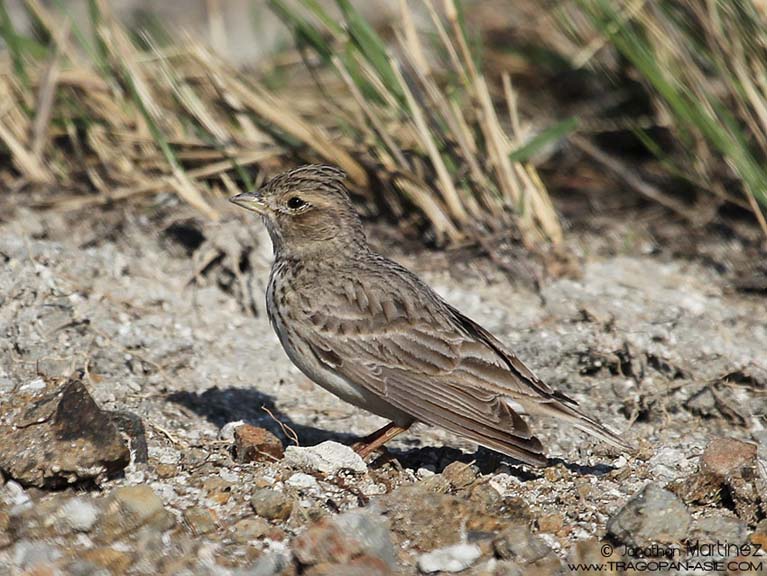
column 375, row 335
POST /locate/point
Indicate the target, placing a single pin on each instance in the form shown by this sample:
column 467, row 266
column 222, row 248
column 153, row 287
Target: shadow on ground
column 220, row 406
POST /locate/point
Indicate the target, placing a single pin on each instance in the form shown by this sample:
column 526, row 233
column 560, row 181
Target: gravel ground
column 145, row 352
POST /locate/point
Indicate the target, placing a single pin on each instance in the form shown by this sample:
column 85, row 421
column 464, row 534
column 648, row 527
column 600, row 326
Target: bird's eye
column 295, row 203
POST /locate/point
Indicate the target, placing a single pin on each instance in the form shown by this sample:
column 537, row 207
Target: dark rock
column 133, row 427
column 271, row 504
column 654, row 515
column 252, row 444
column 58, row 436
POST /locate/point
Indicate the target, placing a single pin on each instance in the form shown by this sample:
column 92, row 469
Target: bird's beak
column 249, row 201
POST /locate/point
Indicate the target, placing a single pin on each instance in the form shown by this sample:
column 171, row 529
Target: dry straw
column 110, row 115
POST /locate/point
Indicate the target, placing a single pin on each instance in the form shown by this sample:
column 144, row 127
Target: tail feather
column 568, row 413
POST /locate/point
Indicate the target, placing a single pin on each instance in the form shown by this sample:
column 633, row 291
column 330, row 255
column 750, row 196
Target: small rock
column 728, row 466
column 449, row 559
column 328, row 458
column 267, row 565
column 302, row 481
column 727, row 457
column 360, row 566
column 80, row 514
column 113, row 560
column 459, row 474
column 371, row 530
column 249, row 529
column 551, row 523
column 29, row 554
column 718, row 527
column 655, row 515
column 129, row 508
column 200, row 520
column 165, row 471
column 324, row 542
column 517, row 542
column 341, row 539
column 271, row 504
column 252, row 444
column 60, row 436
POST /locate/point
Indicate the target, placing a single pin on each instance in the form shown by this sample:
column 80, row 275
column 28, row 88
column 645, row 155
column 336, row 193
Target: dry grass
column 705, row 64
column 115, row 116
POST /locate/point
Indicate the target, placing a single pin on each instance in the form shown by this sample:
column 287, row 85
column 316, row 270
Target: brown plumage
column 374, row 334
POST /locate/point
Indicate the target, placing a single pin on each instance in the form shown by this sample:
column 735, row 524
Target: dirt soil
column 168, row 323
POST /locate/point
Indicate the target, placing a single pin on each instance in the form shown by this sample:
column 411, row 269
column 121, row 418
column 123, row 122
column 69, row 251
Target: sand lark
column 375, row 335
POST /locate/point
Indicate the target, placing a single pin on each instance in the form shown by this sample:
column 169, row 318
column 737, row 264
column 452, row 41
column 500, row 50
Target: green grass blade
column 371, row 46
column 14, row 43
column 550, row 134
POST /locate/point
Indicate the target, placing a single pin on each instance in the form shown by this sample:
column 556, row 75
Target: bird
column 374, row 334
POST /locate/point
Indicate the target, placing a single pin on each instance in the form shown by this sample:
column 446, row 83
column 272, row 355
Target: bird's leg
column 372, row 442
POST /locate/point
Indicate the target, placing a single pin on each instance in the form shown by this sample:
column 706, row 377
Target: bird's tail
column 553, row 408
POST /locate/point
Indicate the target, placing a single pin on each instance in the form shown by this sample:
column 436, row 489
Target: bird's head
column 306, row 209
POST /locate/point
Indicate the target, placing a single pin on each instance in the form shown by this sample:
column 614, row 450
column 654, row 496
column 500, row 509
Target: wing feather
column 401, row 341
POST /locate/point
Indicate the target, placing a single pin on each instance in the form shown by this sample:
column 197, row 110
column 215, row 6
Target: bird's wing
column 402, row 342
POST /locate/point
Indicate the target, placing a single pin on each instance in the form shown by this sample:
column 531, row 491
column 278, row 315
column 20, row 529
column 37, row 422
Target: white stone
column 80, row 513
column 302, row 481
column 449, row 559
column 327, row 458
column 227, row 431
column 36, row 384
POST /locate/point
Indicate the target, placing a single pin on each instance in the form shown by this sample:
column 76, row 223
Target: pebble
column 28, row 554
column 371, row 530
column 327, row 458
column 129, row 508
column 728, row 468
column 652, row 516
column 271, row 504
column 345, row 538
column 252, row 444
column 267, row 565
column 302, row 481
column 249, row 529
column 459, row 474
column 80, row 514
column 453, row 558
column 200, row 520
